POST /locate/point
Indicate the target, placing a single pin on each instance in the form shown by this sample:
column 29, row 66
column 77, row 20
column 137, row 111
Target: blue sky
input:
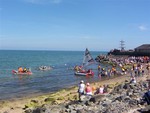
column 73, row 24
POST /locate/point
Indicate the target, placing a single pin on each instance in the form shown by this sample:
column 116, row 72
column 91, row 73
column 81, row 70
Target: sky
column 98, row 25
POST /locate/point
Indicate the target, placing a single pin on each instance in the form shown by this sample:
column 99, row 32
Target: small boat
column 21, row 73
column 84, row 73
column 87, row 60
column 45, row 68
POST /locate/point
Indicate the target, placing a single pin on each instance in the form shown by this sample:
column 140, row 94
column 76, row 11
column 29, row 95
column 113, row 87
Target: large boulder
column 97, row 98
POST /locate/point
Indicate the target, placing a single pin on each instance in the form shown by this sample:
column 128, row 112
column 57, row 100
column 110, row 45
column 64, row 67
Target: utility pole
column 122, row 45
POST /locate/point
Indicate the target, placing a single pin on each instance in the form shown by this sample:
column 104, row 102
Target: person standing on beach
column 88, row 89
column 133, row 80
column 131, row 72
column 81, row 88
column 99, row 71
column 109, row 73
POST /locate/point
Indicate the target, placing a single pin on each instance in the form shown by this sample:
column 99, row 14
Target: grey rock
column 126, row 86
column 97, row 98
column 123, row 98
column 28, row 111
column 145, row 110
column 34, row 101
column 80, row 111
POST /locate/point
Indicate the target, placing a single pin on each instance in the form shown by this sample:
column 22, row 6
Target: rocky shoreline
column 124, row 98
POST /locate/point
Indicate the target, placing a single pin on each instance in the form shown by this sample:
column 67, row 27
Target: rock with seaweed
column 122, row 99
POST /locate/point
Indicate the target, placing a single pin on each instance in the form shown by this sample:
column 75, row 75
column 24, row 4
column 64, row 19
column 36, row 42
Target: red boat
column 21, row 73
column 87, row 60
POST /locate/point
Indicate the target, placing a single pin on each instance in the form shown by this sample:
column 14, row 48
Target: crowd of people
column 135, row 66
column 132, row 66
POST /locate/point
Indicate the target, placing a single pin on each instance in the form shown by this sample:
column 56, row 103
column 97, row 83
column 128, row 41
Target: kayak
column 21, row 73
column 84, row 74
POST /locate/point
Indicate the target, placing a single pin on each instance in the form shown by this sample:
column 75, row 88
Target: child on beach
column 133, row 80
column 105, row 88
column 101, row 90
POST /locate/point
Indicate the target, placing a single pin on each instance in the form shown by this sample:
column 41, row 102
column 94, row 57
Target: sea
column 41, row 82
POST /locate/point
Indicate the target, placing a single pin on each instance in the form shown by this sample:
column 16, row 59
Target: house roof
column 144, row 46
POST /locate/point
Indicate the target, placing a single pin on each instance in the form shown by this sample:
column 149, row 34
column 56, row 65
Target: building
column 145, row 48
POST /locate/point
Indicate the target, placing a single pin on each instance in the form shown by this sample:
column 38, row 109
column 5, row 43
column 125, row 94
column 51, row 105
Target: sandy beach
column 62, row 96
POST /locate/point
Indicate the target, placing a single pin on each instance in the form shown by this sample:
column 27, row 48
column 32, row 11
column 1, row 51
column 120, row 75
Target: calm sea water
column 62, row 75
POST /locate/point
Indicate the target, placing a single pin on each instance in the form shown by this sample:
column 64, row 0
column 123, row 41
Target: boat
column 84, row 73
column 21, row 73
column 87, row 60
column 45, row 68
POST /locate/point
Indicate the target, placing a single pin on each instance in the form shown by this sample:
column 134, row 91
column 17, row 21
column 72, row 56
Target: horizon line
column 47, row 50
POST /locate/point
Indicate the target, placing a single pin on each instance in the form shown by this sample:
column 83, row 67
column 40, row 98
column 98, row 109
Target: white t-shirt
column 81, row 87
column 101, row 90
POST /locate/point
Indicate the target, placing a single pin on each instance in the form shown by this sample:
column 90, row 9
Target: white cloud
column 142, row 28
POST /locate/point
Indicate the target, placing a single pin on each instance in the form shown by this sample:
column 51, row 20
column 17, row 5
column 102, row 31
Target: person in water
column 20, row 69
column 99, row 67
column 25, row 70
column 89, row 71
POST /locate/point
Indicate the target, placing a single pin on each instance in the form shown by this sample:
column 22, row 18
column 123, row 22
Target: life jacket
column 24, row 69
column 20, row 69
column 113, row 69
